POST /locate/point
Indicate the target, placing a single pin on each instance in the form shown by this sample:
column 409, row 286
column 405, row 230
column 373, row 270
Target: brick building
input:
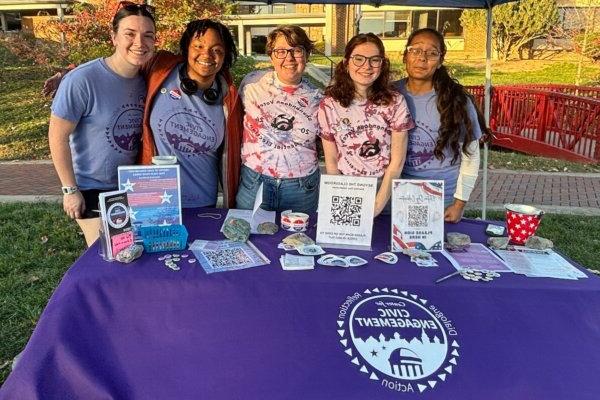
column 331, row 26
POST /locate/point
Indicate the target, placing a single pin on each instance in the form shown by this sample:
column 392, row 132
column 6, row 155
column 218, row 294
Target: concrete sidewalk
column 565, row 193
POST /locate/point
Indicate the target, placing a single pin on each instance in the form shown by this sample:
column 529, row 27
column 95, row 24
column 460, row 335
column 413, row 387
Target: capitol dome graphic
column 394, row 335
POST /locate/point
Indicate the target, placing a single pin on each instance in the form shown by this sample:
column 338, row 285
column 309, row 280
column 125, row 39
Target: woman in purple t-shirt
column 96, row 118
column 363, row 121
column 445, row 141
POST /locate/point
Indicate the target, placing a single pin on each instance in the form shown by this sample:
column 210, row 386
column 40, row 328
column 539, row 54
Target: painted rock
column 458, row 240
column 236, row 229
column 539, row 243
column 267, row 228
column 499, row 243
column 130, row 253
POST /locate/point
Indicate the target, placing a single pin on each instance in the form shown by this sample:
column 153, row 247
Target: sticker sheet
column 226, row 255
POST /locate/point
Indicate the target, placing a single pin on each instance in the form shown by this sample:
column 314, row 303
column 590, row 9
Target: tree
column 87, row 33
column 580, row 27
column 515, row 25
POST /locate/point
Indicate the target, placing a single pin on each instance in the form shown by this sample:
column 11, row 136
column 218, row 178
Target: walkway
column 566, row 193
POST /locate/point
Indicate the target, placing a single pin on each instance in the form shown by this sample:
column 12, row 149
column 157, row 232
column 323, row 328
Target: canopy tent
column 486, row 4
column 418, row 3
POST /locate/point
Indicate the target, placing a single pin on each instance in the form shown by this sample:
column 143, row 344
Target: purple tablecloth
column 142, row 331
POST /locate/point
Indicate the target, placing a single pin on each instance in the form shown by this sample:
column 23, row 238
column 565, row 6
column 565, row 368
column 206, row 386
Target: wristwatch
column 69, row 189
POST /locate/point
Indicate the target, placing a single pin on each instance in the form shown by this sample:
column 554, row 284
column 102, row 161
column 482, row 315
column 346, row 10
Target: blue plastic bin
column 163, row 238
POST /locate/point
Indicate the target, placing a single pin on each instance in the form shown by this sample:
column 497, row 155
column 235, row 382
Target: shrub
column 243, row 66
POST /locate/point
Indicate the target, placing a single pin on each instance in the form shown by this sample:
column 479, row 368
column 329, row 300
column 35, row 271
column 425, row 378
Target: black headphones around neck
column 210, row 96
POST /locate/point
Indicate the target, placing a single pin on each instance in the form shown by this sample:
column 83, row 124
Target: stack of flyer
column 117, row 233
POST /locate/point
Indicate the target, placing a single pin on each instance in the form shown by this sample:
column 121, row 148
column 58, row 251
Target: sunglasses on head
column 131, row 6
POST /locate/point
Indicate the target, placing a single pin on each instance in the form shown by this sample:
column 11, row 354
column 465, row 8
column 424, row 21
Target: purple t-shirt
column 420, row 161
column 108, row 110
column 188, row 128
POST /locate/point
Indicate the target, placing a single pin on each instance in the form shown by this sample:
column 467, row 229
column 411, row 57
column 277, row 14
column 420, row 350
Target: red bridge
column 557, row 121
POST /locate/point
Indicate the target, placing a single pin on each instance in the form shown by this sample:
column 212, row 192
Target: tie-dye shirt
column 280, row 126
column 362, row 133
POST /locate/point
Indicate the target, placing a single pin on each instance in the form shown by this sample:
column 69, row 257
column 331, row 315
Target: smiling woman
column 192, row 113
column 190, row 110
column 363, row 121
column 280, row 128
column 101, row 96
column 444, row 144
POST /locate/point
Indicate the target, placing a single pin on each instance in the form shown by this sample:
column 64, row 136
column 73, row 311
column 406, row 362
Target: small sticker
column 175, row 94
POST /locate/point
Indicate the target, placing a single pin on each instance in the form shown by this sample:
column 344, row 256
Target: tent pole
column 487, row 108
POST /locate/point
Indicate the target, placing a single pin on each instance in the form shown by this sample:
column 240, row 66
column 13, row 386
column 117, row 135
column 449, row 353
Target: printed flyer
column 116, row 223
column 153, row 192
column 346, row 208
column 417, row 214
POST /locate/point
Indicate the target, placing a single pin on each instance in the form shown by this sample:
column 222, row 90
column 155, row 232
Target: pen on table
column 443, row 278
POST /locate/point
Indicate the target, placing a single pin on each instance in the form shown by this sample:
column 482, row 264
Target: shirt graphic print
column 280, row 126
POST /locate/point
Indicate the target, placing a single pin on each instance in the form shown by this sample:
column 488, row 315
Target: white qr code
column 417, row 216
column 227, row 257
column 346, row 210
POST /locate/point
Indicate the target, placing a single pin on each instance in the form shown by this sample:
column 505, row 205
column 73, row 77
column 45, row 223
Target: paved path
column 570, row 193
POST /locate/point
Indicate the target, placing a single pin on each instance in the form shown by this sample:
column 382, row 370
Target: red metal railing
column 546, row 122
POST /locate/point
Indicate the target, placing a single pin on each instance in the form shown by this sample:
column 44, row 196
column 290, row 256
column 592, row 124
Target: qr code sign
column 346, row 210
column 227, row 257
column 417, row 215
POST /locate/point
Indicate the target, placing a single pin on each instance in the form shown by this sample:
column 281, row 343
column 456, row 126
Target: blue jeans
column 296, row 194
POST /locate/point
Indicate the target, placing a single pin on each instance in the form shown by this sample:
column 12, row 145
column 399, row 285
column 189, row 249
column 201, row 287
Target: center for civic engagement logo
column 398, row 339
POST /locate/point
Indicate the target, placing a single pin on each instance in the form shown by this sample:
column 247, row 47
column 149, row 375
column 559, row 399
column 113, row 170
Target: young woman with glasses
column 280, row 128
column 96, row 118
column 363, row 121
column 444, row 143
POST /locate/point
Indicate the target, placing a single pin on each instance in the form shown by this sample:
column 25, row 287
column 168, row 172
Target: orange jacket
column 155, row 72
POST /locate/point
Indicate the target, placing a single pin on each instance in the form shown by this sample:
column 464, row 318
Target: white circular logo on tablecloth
column 398, row 339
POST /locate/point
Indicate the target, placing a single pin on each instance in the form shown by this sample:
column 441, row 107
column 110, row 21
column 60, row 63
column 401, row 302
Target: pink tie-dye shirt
column 280, row 126
column 362, row 133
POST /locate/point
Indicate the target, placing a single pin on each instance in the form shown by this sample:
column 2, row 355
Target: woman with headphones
column 192, row 112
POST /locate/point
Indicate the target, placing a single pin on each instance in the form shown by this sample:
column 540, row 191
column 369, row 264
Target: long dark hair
column 199, row 28
column 452, row 103
column 342, row 88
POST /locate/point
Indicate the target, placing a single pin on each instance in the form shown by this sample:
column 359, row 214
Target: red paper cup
column 522, row 221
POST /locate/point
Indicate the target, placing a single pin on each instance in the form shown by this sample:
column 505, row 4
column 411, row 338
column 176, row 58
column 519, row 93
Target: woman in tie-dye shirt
column 363, row 121
column 280, row 128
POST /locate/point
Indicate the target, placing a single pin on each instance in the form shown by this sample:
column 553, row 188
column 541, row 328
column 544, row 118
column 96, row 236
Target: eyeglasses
column 428, row 54
column 374, row 61
column 296, row 52
column 131, row 6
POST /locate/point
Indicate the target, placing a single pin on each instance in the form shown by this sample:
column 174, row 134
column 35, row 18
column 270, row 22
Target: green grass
column 504, row 159
column 24, row 112
column 37, row 245
column 576, row 236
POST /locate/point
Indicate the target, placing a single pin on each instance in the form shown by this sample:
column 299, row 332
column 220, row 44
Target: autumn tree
column 87, row 32
column 515, row 25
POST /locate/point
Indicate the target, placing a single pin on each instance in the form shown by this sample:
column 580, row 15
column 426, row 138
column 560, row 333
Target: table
column 143, row 331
